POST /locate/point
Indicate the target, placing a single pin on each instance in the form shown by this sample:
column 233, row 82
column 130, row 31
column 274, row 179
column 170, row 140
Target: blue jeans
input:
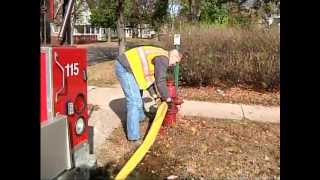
column 135, row 109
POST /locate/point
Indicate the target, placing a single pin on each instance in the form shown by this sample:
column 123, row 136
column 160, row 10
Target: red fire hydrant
column 171, row 114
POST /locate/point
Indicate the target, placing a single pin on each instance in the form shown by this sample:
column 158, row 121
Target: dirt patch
column 201, row 149
column 102, row 74
column 241, row 95
column 113, row 154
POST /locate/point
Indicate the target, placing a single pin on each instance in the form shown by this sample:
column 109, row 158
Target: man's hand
column 156, row 99
column 169, row 103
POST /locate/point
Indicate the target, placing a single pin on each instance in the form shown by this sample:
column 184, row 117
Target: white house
column 82, row 25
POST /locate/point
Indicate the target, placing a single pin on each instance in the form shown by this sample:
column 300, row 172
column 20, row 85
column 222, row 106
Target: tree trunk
column 158, row 35
column 135, row 31
column 140, row 29
column 194, row 10
column 190, row 9
column 109, row 34
column 136, row 17
column 120, row 26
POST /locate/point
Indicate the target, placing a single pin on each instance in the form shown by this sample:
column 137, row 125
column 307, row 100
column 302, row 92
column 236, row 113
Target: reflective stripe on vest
column 145, row 65
column 140, row 60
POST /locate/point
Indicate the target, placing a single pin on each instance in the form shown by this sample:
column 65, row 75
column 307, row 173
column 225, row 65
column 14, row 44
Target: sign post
column 176, row 43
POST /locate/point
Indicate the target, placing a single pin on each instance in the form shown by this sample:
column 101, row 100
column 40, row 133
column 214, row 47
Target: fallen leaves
column 171, row 177
column 193, row 130
column 266, row 158
column 232, row 149
column 201, row 147
column 231, row 95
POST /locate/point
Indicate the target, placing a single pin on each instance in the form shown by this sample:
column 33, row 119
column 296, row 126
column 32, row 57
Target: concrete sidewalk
column 111, row 113
column 231, row 111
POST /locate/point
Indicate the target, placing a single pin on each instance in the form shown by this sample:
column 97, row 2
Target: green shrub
column 235, row 55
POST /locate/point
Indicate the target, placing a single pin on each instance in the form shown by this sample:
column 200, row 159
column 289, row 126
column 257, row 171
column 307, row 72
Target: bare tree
column 136, row 17
column 109, row 34
column 120, row 25
column 194, row 7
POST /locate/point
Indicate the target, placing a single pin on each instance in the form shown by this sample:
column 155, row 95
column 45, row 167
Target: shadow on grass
column 119, row 107
column 106, row 172
column 101, row 54
column 111, row 169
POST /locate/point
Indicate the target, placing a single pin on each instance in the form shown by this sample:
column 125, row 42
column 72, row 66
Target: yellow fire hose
column 145, row 146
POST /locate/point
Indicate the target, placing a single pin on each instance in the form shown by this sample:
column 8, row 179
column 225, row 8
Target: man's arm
column 161, row 64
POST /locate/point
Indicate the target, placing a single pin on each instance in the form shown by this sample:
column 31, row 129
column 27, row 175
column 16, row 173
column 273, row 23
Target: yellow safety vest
column 140, row 60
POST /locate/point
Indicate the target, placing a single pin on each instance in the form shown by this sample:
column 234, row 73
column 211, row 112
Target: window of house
column 87, row 29
column 80, row 29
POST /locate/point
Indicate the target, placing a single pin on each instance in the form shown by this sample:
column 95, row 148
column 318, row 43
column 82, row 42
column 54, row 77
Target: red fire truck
column 66, row 138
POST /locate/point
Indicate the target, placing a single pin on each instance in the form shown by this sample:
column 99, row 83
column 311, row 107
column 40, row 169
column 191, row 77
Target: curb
column 231, row 111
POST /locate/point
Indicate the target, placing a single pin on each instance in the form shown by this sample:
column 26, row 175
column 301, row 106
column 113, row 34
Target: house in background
column 143, row 31
column 84, row 32
column 82, row 28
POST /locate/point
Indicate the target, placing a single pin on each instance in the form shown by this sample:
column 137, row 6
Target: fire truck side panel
column 55, row 147
column 43, row 84
column 46, row 106
column 69, row 72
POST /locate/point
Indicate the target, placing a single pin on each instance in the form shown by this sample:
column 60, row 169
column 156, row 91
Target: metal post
column 65, row 31
column 71, row 32
column 44, row 22
column 45, row 28
column 177, row 66
column 176, row 74
column 176, row 70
